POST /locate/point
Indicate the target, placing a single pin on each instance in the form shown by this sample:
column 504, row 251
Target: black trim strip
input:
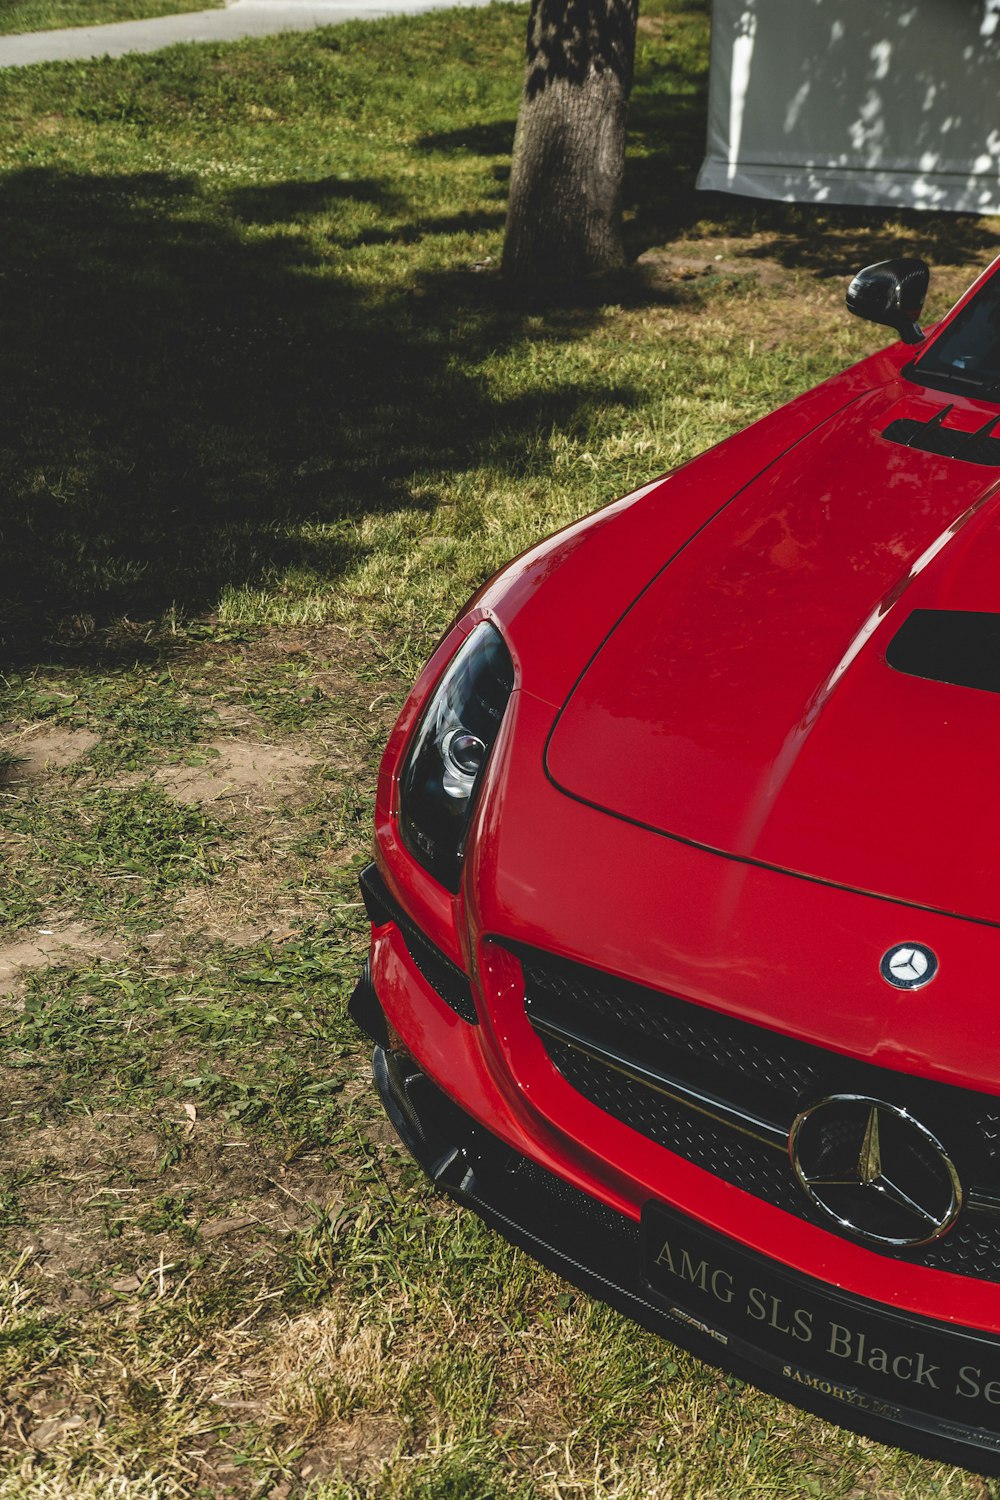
column 444, row 977
column 364, row 1008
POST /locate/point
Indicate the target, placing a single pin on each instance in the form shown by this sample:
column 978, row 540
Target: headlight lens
column 449, row 753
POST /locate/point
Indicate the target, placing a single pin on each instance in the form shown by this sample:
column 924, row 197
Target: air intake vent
column 933, row 437
column 949, row 645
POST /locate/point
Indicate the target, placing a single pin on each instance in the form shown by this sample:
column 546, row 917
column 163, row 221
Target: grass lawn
column 269, row 416
column 49, row 15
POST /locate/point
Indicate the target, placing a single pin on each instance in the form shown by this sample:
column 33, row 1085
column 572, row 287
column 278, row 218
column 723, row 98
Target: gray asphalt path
column 242, row 18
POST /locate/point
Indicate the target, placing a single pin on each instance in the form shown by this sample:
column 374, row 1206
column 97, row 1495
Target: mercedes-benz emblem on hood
column 875, row 1170
column 908, row 966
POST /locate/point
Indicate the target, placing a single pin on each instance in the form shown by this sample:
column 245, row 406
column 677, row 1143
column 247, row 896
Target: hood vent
column 949, row 645
column 933, row 437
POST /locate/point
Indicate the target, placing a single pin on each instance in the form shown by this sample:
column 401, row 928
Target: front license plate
column 813, row 1335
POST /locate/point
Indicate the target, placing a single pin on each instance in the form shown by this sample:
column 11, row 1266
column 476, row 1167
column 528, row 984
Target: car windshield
column 966, row 358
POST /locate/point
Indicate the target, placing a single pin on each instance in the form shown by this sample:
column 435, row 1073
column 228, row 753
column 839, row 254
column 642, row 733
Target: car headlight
column 449, row 752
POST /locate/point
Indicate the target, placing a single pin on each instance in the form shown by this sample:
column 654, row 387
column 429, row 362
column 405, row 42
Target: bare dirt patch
column 310, row 642
column 243, row 774
column 317, row 1367
column 105, row 1203
column 296, row 802
column 353, row 1452
column 37, row 749
column 59, row 942
column 686, row 264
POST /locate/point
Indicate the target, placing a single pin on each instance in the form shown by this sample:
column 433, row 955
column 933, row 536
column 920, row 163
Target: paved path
column 239, row 19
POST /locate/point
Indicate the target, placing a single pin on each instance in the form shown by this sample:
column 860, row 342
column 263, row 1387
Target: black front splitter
column 601, row 1252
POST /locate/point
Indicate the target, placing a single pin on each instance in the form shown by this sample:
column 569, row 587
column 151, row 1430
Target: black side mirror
column 892, row 293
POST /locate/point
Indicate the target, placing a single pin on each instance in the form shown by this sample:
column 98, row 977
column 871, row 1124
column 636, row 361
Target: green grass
column 103, row 852
column 270, row 415
column 51, row 15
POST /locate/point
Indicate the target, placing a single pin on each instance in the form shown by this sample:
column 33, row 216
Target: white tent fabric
column 890, row 102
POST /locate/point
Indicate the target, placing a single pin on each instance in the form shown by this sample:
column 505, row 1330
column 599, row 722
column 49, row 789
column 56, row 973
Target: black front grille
column 723, row 1094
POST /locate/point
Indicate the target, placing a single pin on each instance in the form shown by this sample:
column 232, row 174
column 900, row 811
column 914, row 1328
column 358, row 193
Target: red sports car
column 685, row 971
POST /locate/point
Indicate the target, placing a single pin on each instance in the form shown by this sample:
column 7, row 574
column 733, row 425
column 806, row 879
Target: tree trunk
column 564, row 215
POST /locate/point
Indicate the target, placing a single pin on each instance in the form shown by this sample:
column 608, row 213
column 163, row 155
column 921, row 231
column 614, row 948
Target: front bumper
column 909, row 1381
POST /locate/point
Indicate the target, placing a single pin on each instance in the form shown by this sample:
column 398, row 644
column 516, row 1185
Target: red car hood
column 745, row 703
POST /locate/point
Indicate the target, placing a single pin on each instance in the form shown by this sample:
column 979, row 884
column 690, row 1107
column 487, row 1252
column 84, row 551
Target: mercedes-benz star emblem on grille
column 907, row 966
column 875, row 1170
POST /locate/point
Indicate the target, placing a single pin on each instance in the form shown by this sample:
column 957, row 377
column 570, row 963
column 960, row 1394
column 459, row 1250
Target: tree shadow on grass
column 411, row 233
column 185, row 399
column 201, row 393
column 489, row 138
column 284, row 202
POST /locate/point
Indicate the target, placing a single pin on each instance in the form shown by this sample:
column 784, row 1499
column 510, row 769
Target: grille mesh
column 727, row 1153
column 734, row 1046
column 781, row 1075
